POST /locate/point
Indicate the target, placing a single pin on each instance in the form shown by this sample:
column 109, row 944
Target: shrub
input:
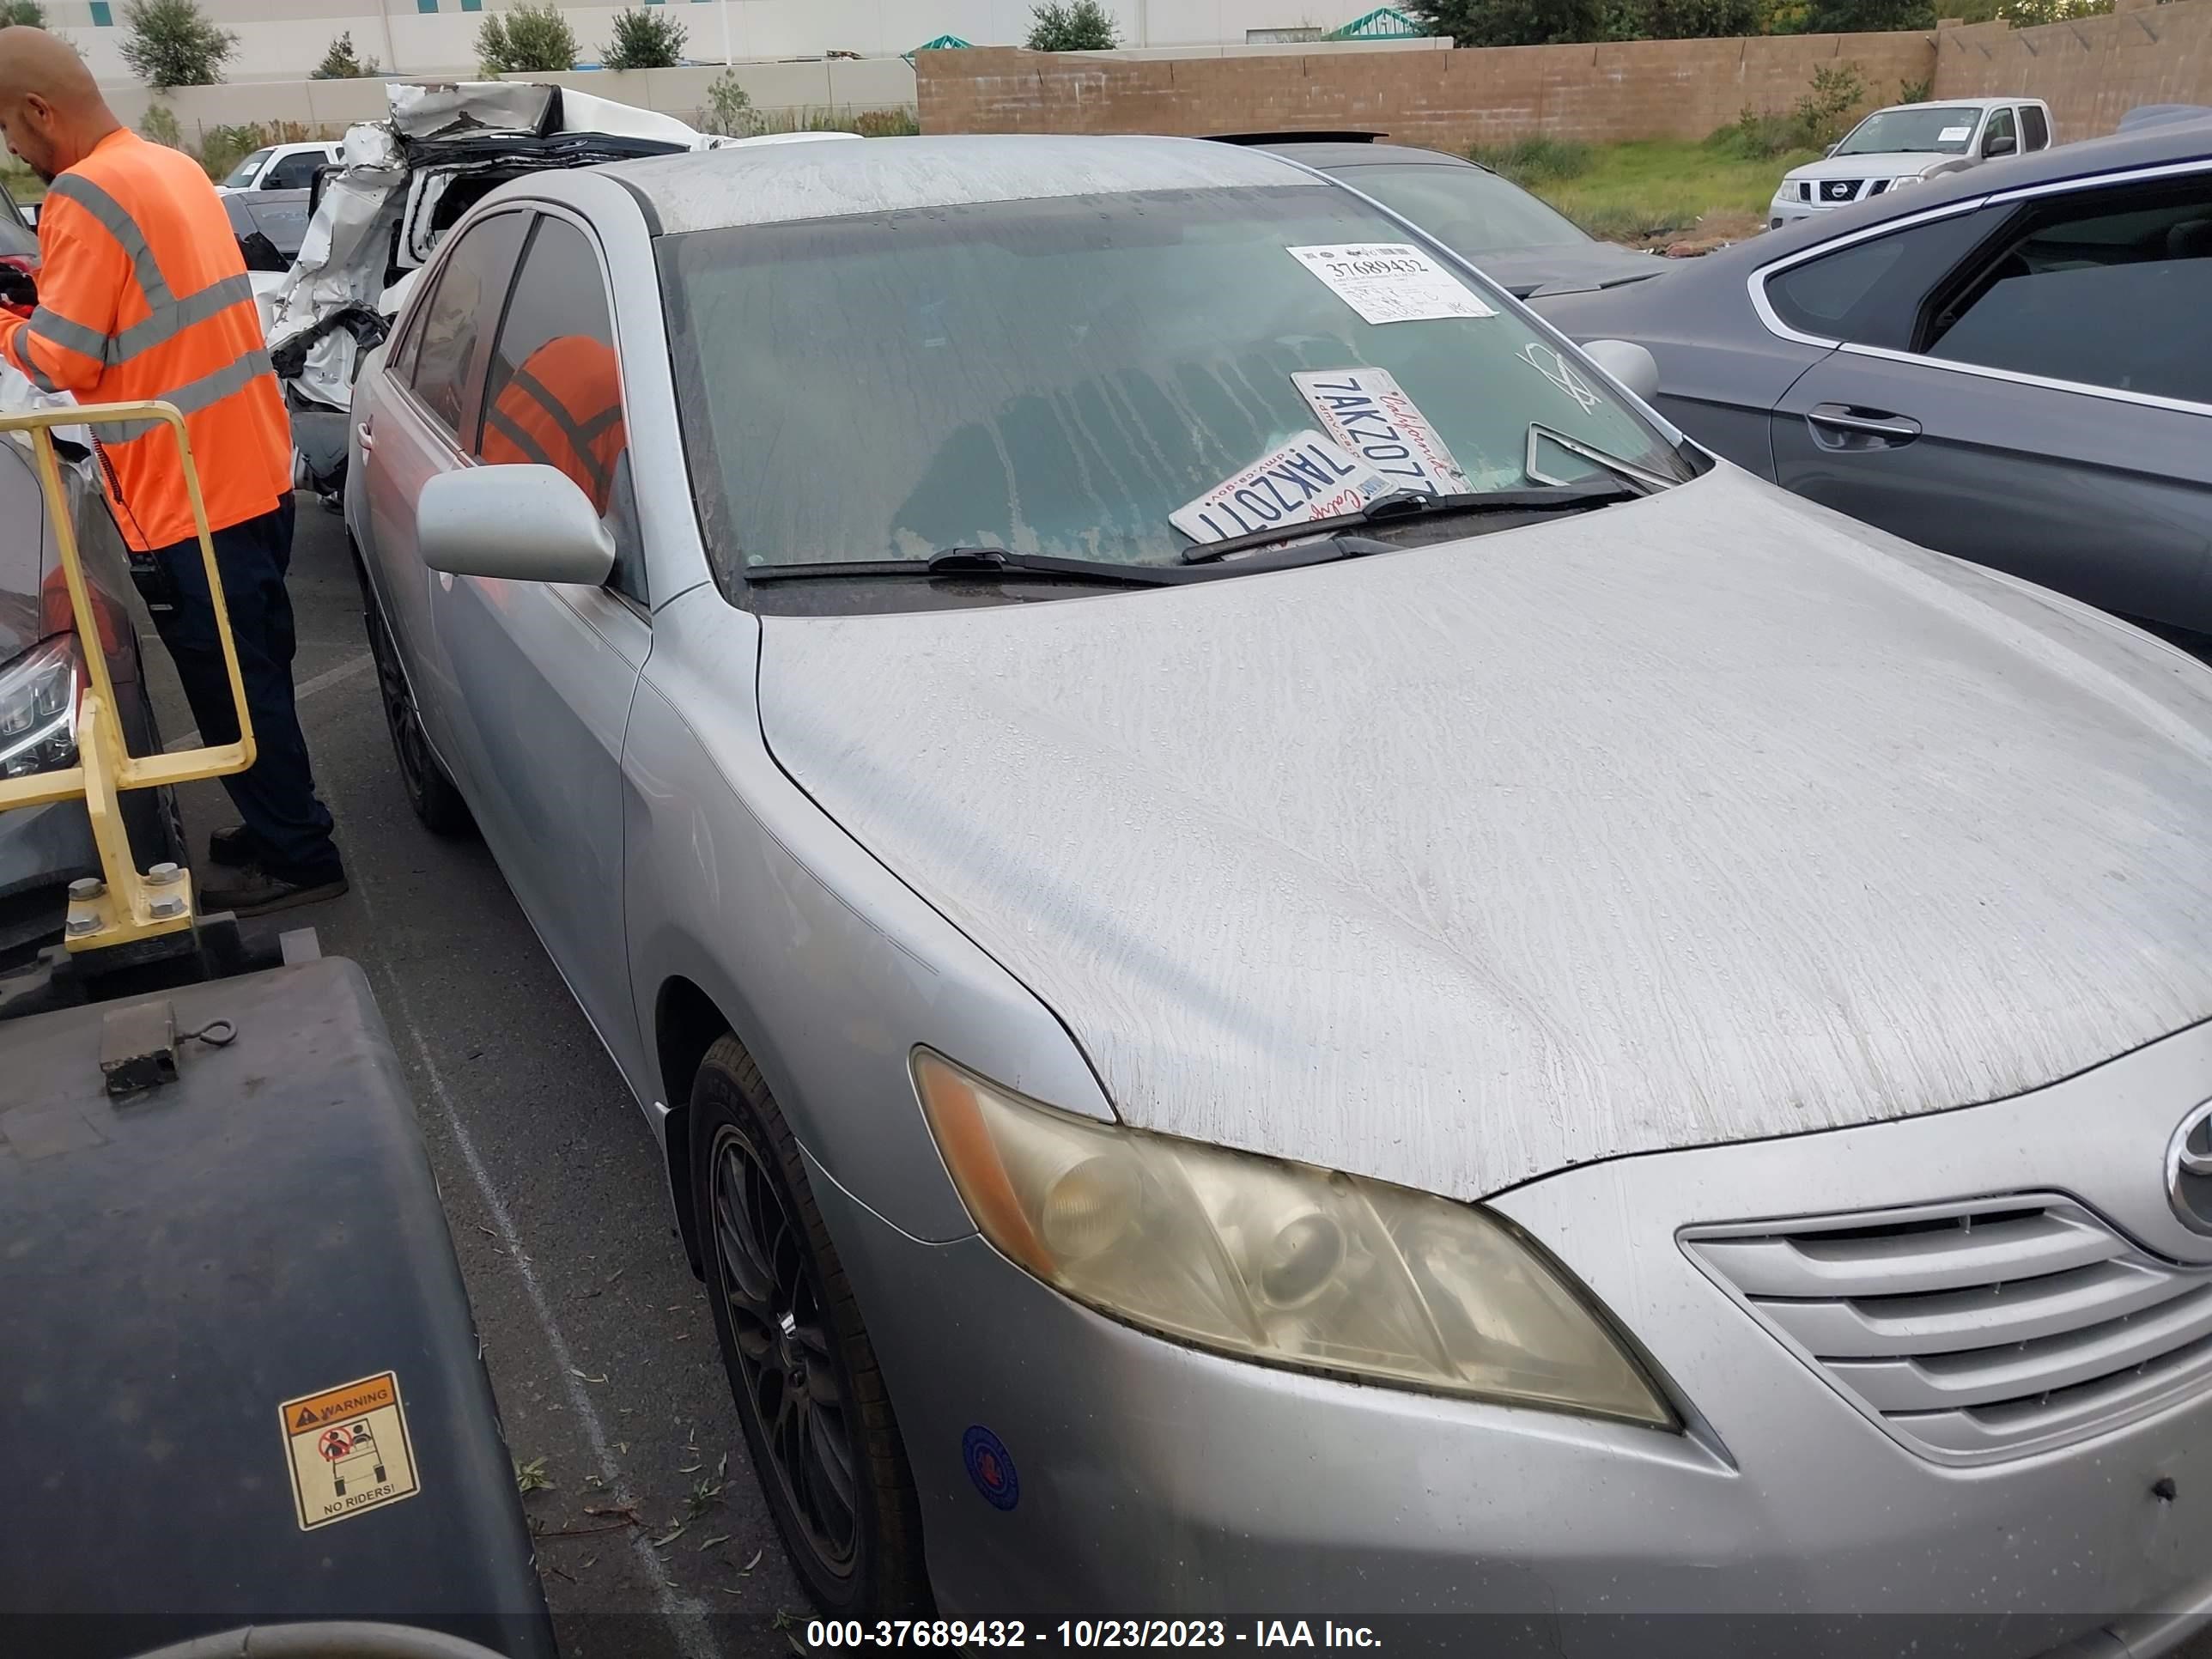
column 1915, row 92
column 160, row 125
column 530, row 37
column 1823, row 113
column 729, row 109
column 644, row 39
column 222, row 148
column 1073, row 26
column 171, row 43
column 1539, row 161
column 23, row 14
column 339, row 63
column 886, row 123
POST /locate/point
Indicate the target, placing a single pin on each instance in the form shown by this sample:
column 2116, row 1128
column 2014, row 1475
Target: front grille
column 1804, row 191
column 1877, row 186
column 1839, row 190
column 1977, row 1331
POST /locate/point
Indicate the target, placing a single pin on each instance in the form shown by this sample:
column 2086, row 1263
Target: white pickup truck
column 1900, row 146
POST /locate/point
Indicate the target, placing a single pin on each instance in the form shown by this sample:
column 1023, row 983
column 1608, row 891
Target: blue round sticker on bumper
column 990, row 1467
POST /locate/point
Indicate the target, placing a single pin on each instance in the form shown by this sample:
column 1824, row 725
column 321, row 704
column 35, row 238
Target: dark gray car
column 42, row 676
column 2013, row 365
column 1523, row 245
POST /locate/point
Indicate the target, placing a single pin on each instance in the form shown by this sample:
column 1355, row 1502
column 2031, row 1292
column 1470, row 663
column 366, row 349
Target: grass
column 1655, row 191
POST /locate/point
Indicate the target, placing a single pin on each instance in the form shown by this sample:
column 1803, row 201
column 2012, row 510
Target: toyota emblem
column 2189, row 1170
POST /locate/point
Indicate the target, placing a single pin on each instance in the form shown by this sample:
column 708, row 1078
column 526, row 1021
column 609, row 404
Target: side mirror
column 523, row 524
column 2003, row 144
column 1627, row 362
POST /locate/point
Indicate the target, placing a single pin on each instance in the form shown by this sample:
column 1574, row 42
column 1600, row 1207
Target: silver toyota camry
column 1288, row 958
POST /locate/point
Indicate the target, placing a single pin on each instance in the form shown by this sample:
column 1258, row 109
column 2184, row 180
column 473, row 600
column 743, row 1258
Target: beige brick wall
column 1635, row 89
column 2092, row 72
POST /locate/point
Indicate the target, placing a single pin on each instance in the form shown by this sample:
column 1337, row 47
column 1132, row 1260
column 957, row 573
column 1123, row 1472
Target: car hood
column 1874, row 164
column 1710, row 816
column 1568, row 268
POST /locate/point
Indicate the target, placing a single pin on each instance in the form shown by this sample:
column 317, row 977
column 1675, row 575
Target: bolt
column 170, row 906
column 87, row 888
column 162, row 874
column 78, row 926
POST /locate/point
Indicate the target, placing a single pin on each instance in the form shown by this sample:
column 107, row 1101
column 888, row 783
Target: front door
column 544, row 674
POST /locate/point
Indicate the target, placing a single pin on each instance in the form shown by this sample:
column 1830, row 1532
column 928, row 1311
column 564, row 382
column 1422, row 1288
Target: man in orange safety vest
column 142, row 295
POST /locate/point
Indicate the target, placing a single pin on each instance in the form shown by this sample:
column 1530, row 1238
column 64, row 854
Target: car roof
column 1328, row 157
column 709, row 190
column 1960, row 103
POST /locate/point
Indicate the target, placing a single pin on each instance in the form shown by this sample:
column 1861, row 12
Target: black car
column 1523, row 245
column 2012, row 364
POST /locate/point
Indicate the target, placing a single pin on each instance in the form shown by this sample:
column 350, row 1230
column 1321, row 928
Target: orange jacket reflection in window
column 562, row 408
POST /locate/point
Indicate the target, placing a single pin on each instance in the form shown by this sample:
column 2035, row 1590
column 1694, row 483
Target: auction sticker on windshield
column 1953, row 135
column 1369, row 413
column 1391, row 281
column 1307, row 478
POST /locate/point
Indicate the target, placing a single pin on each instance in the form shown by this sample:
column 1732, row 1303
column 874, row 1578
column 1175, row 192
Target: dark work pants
column 276, row 796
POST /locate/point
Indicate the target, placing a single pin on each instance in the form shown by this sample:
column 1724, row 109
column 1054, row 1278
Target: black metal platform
column 176, row 1267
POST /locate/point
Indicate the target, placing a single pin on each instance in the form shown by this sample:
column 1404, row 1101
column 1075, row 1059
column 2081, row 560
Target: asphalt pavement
column 654, row 1540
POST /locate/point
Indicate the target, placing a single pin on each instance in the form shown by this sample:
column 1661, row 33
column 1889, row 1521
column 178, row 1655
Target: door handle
column 1845, row 425
column 366, row 439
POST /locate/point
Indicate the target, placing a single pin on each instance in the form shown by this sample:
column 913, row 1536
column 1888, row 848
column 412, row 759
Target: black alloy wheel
column 819, row 1423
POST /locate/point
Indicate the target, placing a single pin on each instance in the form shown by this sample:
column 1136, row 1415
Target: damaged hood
column 384, row 213
column 1706, row 817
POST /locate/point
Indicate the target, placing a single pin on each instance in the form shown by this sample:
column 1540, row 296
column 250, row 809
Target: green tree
column 644, row 39
column 25, row 14
column 1862, row 17
column 171, row 43
column 1517, row 22
column 1073, row 26
column 530, row 37
column 339, row 63
column 159, row 124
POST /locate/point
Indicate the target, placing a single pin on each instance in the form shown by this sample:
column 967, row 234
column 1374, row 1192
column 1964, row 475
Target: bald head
column 50, row 109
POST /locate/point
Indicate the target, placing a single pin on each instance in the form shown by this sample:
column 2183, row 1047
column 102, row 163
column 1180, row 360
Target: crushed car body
column 406, row 180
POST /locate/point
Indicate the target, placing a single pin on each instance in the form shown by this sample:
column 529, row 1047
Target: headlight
column 38, row 708
column 1909, row 178
column 1273, row 1261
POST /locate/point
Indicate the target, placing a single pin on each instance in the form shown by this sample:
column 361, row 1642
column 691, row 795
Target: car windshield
column 1094, row 376
column 1922, row 128
column 242, row 174
column 1465, row 208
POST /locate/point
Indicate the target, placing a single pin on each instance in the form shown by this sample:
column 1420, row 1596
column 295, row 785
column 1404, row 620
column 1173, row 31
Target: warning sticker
column 1367, row 412
column 1391, row 281
column 349, row 1450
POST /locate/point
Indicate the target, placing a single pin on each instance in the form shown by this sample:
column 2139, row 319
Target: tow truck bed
column 212, row 1296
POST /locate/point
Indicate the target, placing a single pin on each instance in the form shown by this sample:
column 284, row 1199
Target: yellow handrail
column 129, row 906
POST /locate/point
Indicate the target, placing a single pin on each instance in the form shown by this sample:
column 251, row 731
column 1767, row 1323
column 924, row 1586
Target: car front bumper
column 1152, row 1480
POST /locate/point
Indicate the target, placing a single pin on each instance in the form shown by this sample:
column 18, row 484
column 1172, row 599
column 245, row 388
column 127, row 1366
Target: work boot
column 233, row 848
column 256, row 890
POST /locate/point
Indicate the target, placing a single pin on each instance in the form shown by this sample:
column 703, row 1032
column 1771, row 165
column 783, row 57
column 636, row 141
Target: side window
column 2104, row 287
column 1870, row 292
column 2002, row 136
column 554, row 394
column 2035, row 129
column 459, row 315
column 295, row 172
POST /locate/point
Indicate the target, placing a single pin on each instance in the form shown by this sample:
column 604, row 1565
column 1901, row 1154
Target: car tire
column 430, row 791
column 800, row 1365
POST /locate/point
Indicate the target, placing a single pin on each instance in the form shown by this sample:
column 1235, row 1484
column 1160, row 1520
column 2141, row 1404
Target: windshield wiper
column 1413, row 504
column 954, row 562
